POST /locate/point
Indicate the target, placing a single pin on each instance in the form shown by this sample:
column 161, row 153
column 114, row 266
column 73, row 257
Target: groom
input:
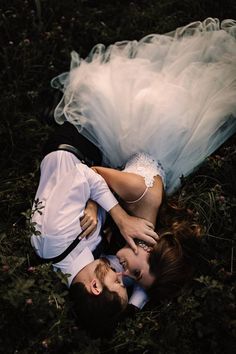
column 65, row 187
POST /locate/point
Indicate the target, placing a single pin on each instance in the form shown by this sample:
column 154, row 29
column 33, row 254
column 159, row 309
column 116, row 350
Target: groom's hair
column 97, row 314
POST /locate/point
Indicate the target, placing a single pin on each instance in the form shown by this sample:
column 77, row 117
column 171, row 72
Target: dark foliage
column 35, row 312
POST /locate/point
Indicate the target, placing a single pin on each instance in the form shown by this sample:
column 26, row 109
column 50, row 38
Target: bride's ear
column 95, row 287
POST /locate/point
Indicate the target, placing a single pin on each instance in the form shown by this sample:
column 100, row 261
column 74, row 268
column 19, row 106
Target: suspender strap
column 64, row 254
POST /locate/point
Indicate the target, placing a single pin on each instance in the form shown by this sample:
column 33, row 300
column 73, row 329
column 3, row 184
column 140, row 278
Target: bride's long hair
column 172, row 259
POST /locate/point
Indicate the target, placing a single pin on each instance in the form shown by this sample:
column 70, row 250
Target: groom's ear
column 95, row 287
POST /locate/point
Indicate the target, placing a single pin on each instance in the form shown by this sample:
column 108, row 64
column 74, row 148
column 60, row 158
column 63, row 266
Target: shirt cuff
column 107, row 201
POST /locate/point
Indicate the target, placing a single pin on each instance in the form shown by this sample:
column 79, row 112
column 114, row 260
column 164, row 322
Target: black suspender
column 64, row 254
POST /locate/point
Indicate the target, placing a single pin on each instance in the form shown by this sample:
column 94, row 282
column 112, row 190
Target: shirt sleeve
column 99, row 190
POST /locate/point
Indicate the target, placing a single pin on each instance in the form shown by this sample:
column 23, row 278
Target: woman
column 162, row 270
column 171, row 98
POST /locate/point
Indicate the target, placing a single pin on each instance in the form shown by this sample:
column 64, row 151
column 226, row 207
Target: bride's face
column 136, row 266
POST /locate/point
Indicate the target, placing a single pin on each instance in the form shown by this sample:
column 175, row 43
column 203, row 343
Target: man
column 65, row 188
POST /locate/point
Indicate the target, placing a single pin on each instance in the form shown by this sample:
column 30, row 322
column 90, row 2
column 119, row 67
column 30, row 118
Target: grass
column 35, row 315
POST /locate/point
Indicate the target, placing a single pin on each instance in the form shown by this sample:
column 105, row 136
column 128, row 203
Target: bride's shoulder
column 146, row 166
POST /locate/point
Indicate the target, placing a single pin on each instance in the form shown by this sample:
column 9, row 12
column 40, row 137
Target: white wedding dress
column 172, row 96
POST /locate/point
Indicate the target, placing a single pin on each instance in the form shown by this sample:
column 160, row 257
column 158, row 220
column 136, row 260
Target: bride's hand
column 132, row 227
column 89, row 220
column 141, row 229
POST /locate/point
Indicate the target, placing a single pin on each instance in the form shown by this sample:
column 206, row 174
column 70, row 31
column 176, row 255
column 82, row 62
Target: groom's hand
column 132, row 227
column 89, row 220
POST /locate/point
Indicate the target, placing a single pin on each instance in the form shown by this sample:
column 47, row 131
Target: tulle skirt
column 172, row 96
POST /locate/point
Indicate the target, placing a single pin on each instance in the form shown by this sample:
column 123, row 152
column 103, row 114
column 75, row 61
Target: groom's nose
column 120, row 274
column 120, row 277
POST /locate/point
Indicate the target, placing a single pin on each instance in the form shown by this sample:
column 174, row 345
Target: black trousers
column 68, row 134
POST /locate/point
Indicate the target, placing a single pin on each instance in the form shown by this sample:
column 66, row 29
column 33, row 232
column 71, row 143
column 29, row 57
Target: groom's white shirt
column 65, row 186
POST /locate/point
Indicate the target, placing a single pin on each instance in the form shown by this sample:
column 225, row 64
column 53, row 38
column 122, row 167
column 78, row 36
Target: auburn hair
column 172, row 260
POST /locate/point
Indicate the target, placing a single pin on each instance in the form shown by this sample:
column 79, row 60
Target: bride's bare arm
column 128, row 186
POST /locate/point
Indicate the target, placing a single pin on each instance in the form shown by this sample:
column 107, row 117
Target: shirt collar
column 84, row 258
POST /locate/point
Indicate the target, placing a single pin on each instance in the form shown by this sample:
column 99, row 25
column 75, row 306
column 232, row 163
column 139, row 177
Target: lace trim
column 146, row 166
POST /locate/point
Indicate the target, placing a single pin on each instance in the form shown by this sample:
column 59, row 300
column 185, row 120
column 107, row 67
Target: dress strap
column 137, row 200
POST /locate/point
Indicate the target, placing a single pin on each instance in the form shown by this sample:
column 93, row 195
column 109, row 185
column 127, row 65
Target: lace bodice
column 146, row 166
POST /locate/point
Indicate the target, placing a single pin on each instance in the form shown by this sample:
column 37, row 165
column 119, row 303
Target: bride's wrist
column 119, row 215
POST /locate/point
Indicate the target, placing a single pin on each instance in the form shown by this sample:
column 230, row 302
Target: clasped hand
column 89, row 220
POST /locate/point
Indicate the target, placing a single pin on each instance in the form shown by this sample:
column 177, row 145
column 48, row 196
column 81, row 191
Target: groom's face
column 136, row 266
column 111, row 279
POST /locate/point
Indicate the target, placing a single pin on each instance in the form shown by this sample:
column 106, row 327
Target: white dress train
column 172, row 96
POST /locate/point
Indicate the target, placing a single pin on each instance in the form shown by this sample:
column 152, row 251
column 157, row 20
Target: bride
column 171, row 99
